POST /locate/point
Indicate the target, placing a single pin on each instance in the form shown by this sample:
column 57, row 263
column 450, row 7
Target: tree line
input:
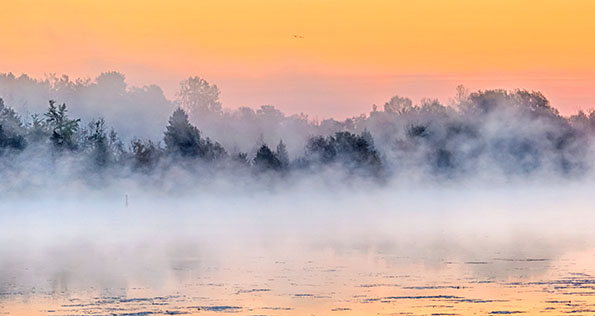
column 511, row 133
column 182, row 144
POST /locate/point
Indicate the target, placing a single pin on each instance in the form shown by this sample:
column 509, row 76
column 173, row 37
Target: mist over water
column 299, row 251
column 482, row 206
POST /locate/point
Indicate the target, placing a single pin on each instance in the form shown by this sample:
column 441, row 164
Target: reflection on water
column 313, row 280
column 459, row 261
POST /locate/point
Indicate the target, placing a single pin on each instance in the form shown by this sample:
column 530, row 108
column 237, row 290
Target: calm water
column 271, row 262
column 323, row 282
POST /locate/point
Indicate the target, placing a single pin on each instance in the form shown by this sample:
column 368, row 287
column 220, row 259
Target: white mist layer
column 100, row 242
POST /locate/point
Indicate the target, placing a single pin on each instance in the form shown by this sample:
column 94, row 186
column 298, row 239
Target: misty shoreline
column 496, row 137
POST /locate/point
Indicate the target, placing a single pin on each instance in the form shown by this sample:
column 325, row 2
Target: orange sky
column 352, row 54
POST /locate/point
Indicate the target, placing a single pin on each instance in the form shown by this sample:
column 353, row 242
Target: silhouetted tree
column 112, row 82
column 212, row 151
column 100, row 144
column 320, row 149
column 517, row 131
column 197, row 96
column 534, row 102
column 145, row 154
column 350, row 150
column 62, row 128
column 461, row 98
column 398, row 105
column 37, row 131
column 521, row 101
column 181, row 137
column 367, row 136
column 11, row 129
column 184, row 139
column 116, row 146
column 356, row 152
column 266, row 159
column 282, row 155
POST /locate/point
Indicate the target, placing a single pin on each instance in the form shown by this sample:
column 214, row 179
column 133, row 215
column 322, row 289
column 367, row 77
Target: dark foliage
column 63, row 130
column 266, row 159
column 101, row 152
column 282, row 155
column 183, row 139
column 355, row 152
column 514, row 132
column 11, row 130
column 145, row 155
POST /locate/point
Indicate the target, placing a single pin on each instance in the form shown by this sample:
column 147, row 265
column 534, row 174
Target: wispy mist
column 125, row 205
column 101, row 133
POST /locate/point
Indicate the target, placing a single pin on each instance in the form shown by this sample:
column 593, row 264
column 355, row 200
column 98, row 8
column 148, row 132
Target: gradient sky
column 352, row 54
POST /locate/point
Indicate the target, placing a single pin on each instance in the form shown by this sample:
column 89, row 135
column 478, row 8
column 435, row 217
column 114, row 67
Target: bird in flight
column 297, row 36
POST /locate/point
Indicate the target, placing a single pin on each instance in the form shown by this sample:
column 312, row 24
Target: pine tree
column 99, row 142
column 63, row 130
column 11, row 129
column 266, row 159
column 145, row 154
column 282, row 155
column 181, row 137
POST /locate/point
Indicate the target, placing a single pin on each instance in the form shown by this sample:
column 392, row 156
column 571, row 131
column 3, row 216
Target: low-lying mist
column 65, row 245
column 116, row 200
column 100, row 136
column 137, row 170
